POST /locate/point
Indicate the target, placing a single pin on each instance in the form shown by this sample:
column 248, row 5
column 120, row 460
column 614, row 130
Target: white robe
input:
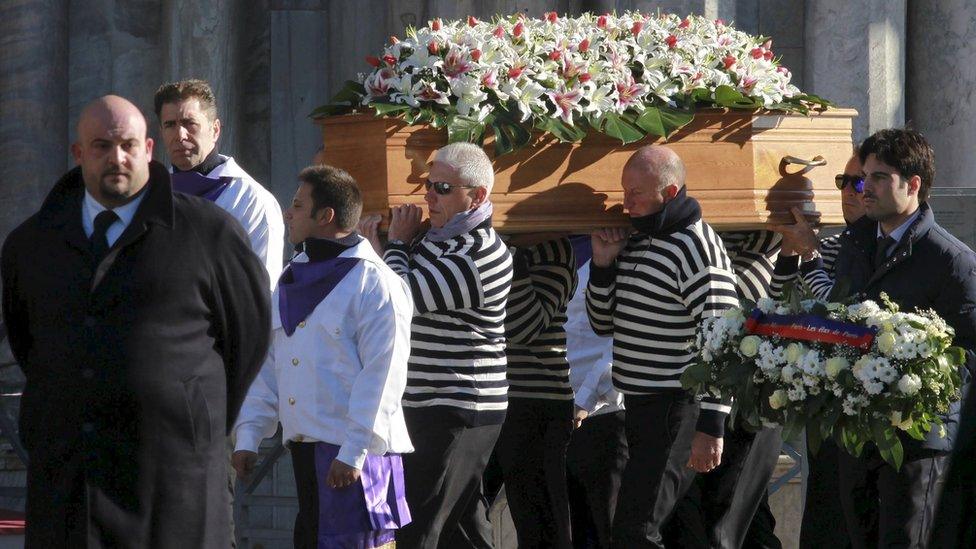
column 340, row 376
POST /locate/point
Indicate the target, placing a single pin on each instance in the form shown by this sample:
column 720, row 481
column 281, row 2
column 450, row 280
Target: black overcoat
column 135, row 367
column 929, row 269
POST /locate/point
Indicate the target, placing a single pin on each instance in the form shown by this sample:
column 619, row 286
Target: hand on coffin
column 706, row 452
column 369, row 228
column 798, row 238
column 607, row 244
column 405, row 222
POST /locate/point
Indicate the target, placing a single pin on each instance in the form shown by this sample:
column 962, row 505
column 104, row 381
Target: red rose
column 584, row 46
column 601, row 22
column 684, row 23
column 552, row 16
column 373, row 60
column 475, row 55
column 638, row 26
column 756, row 53
column 515, row 72
column 433, row 47
column 728, row 61
column 390, row 60
column 435, row 25
column 671, row 41
column 499, row 31
column 472, row 21
column 584, row 77
column 767, row 55
column 555, row 55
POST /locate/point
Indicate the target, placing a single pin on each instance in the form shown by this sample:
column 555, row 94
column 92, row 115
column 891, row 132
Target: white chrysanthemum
column 909, row 384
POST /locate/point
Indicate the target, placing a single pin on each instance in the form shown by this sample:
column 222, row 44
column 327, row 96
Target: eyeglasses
column 441, row 187
column 855, row 181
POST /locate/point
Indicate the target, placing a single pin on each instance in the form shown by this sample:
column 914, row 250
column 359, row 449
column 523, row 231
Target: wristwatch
column 810, row 256
column 396, row 242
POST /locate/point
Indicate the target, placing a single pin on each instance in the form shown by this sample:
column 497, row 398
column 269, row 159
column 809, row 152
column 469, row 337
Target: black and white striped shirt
column 753, row 255
column 457, row 340
column 817, row 276
column 544, row 282
column 652, row 301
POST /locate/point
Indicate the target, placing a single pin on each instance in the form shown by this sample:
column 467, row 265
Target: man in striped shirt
column 459, row 273
column 808, row 260
column 650, row 291
column 532, row 446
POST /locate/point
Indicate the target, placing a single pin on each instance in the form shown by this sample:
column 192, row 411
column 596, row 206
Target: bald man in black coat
column 140, row 318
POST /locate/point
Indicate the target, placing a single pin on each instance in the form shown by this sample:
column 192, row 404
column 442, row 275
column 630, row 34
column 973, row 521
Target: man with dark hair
column 187, row 113
column 895, row 249
column 335, row 374
column 139, row 317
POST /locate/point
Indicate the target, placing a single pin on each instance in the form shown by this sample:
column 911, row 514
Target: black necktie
column 99, row 240
column 881, row 251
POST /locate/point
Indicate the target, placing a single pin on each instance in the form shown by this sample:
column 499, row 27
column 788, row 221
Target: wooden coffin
column 735, row 168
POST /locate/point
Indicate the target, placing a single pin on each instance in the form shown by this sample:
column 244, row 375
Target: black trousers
column 720, row 508
column 659, row 431
column 532, row 452
column 595, row 464
column 885, row 508
column 443, row 481
column 823, row 523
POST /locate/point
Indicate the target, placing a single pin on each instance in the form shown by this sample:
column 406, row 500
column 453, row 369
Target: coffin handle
column 815, row 161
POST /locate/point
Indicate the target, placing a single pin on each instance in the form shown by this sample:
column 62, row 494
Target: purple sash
column 365, row 514
column 197, row 184
column 303, row 286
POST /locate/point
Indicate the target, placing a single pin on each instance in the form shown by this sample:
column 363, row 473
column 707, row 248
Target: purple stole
column 303, row 286
column 365, row 514
column 196, row 184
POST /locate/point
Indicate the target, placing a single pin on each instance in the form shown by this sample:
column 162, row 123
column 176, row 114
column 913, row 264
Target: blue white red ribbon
column 810, row 328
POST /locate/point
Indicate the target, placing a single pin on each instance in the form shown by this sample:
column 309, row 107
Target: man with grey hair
column 650, row 290
column 459, row 273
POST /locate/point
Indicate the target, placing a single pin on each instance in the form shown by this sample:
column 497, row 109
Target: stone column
column 33, row 104
column 855, row 56
column 941, row 79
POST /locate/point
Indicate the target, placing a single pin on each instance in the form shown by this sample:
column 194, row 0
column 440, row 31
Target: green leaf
column 695, row 377
column 386, row 109
column 727, row 96
column 617, row 127
column 509, row 135
column 956, row 355
column 349, row 96
column 465, row 129
column 563, row 132
column 662, row 121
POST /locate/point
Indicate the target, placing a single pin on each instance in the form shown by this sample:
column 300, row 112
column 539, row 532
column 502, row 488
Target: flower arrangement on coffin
column 859, row 372
column 626, row 76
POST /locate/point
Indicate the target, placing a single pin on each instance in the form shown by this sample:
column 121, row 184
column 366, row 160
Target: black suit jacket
column 135, row 367
column 928, row 269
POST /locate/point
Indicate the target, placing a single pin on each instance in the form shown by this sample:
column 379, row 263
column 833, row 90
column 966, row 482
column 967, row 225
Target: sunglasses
column 855, row 181
column 440, row 187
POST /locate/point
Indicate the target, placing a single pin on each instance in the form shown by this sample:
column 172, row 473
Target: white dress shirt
column 340, row 376
column 899, row 232
column 90, row 208
column 590, row 356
